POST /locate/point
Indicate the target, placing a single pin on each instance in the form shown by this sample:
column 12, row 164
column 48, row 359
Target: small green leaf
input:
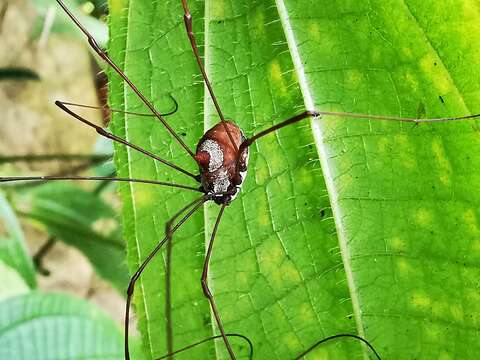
column 54, row 326
column 13, row 283
column 62, row 23
column 13, row 251
column 83, row 220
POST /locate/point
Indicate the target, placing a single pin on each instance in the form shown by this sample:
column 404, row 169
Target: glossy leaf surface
column 343, row 225
column 53, row 326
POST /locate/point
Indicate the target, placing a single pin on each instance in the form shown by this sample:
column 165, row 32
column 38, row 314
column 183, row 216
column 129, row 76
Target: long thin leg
column 333, row 337
column 93, row 43
column 196, row 205
column 54, row 157
column 250, row 345
column 187, row 18
column 109, row 135
column 307, row 114
column 106, row 108
column 206, row 290
column 94, row 178
column 168, row 281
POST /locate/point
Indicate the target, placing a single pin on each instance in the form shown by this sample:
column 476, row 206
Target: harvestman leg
column 101, row 131
column 94, row 178
column 94, row 45
column 187, row 18
column 205, row 288
column 333, row 337
column 250, row 345
column 107, row 108
column 194, row 205
column 317, row 114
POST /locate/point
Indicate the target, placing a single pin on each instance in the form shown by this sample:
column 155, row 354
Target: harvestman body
column 223, row 165
column 222, row 158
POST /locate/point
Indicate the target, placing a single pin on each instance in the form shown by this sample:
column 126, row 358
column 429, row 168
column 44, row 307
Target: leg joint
column 206, row 290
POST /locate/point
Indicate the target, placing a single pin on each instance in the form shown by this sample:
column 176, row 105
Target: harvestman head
column 222, row 159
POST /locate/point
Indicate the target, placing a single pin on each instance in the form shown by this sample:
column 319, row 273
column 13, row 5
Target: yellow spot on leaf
column 444, row 179
column 420, row 300
column 258, row 23
column 353, row 77
column 383, row 144
column 277, row 77
column 407, row 52
column 409, row 163
column 217, row 9
column 444, row 356
column 397, row 244
column 306, row 314
column 430, row 65
column 443, row 164
column 115, row 7
column 291, row 342
column 439, row 153
column 471, row 222
column 402, row 145
column 277, row 268
column 411, row 80
column 262, row 209
column 261, row 171
column 401, row 140
column 469, row 9
column 291, row 276
column 304, row 177
column 270, row 148
column 405, row 269
column 457, row 312
column 275, row 71
column 142, row 196
column 475, row 245
column 314, row 31
column 423, row 217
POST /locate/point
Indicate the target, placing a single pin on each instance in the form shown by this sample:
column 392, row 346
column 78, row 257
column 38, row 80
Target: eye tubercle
column 203, row 159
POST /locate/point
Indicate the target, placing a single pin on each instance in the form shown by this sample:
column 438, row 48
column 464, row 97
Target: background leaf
column 13, row 251
column 381, row 240
column 83, row 220
column 53, row 326
column 62, row 24
column 12, row 282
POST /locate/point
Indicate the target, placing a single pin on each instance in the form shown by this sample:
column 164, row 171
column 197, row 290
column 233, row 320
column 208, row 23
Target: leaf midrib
column 329, row 182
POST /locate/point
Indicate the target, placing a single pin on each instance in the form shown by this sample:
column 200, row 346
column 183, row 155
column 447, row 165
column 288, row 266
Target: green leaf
column 54, row 326
column 13, row 283
column 83, row 220
column 13, row 251
column 62, row 24
column 343, row 225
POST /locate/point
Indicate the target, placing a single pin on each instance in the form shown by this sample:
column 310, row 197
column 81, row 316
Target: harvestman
column 222, row 158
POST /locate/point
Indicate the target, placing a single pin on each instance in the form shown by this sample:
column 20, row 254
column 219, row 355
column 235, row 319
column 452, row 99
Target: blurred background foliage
column 61, row 252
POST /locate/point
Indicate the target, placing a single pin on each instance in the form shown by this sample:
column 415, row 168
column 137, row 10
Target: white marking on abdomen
column 216, row 154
